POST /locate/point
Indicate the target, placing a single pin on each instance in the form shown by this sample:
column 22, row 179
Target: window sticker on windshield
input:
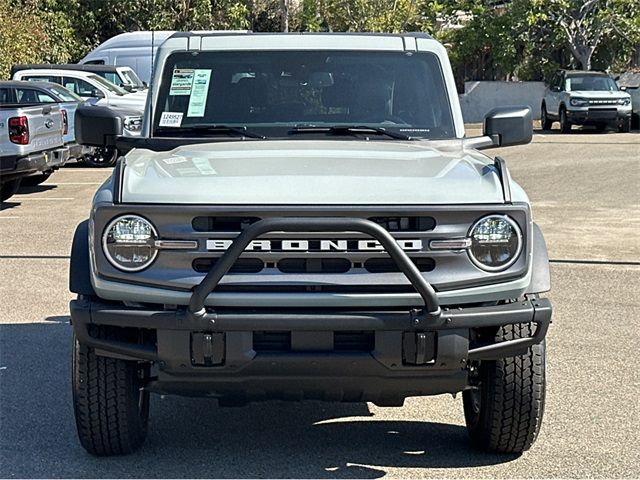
column 171, row 119
column 181, row 81
column 198, row 99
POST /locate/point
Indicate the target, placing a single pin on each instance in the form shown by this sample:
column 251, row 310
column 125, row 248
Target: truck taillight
column 65, row 122
column 19, row 130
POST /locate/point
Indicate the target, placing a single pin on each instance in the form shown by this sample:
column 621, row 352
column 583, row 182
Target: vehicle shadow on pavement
column 193, row 437
column 9, row 205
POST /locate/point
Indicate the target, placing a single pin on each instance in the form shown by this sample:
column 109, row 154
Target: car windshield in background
column 65, row 95
column 273, row 93
column 590, row 83
column 131, row 77
column 108, row 85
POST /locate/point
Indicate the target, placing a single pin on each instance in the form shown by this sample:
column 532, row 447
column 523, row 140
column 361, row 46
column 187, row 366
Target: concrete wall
column 480, row 97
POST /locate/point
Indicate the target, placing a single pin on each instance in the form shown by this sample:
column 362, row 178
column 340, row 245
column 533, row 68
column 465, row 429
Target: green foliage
column 22, row 37
column 529, row 39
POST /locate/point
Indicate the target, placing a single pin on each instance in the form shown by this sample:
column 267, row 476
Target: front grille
column 314, row 265
column 348, row 341
column 222, row 224
column 405, row 224
column 240, row 223
column 386, row 265
column 242, row 265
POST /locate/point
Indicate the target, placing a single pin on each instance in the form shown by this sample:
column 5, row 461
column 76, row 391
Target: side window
column 80, row 87
column 43, row 78
column 112, row 77
column 5, row 95
column 28, row 95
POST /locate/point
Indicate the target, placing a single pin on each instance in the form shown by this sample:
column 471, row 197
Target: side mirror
column 624, row 89
column 509, row 126
column 97, row 126
column 97, row 93
column 555, row 89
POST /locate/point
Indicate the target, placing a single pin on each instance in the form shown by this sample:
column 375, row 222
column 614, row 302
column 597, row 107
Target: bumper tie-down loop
column 196, row 307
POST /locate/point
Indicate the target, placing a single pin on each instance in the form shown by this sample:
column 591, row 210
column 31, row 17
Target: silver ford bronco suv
column 304, row 218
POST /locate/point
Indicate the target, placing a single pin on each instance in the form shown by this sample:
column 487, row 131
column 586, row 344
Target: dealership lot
column 585, row 190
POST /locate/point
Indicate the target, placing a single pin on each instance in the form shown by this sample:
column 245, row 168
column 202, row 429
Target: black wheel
column 111, row 409
column 625, row 126
column 9, row 188
column 504, row 413
column 102, row 157
column 545, row 121
column 35, row 180
column 565, row 124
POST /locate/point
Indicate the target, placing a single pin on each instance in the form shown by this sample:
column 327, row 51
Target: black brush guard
column 196, row 317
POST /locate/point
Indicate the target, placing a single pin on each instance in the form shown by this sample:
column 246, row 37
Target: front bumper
column 588, row 116
column 411, row 353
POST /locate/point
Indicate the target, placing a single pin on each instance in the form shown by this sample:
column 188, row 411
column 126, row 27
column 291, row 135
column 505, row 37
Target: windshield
column 131, row 78
column 273, row 92
column 65, row 95
column 591, row 82
column 108, row 85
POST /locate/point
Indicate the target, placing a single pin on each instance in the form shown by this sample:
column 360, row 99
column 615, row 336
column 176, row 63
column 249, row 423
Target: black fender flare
column 540, row 275
column 80, row 267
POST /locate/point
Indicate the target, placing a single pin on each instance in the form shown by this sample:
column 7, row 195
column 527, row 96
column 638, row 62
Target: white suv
column 89, row 86
column 585, row 98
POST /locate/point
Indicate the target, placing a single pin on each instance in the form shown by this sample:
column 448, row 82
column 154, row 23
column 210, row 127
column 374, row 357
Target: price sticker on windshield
column 181, row 81
column 170, row 119
column 199, row 92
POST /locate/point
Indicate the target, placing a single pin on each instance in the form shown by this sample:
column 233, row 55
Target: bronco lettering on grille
column 314, row 245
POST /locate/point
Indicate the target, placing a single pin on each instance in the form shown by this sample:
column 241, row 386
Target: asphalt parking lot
column 585, row 190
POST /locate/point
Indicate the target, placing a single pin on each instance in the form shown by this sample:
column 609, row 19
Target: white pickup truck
column 31, row 141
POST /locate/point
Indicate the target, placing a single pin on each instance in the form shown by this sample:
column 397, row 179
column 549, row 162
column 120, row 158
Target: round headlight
column 496, row 242
column 129, row 243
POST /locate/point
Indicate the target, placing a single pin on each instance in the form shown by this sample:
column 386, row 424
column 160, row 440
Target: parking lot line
column 43, row 199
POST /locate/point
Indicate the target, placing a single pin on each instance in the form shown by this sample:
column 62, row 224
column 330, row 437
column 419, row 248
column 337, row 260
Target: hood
column 599, row 94
column 327, row 172
column 130, row 100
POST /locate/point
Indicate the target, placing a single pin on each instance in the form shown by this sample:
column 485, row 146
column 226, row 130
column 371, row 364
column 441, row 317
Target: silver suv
column 304, row 218
column 585, row 98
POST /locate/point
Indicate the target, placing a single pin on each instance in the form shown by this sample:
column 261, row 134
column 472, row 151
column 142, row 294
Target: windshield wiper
column 211, row 129
column 349, row 129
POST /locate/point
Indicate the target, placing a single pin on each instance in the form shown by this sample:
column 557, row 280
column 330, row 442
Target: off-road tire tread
column 513, row 393
column 566, row 126
column 106, row 403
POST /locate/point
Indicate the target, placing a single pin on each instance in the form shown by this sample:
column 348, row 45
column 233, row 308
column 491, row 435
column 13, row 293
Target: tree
column 22, row 36
column 585, row 24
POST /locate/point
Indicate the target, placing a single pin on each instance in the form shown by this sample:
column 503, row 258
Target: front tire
column 111, row 409
column 102, row 157
column 504, row 413
column 565, row 124
column 625, row 126
column 545, row 121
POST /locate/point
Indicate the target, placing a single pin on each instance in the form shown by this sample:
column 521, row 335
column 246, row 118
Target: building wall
column 480, row 97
